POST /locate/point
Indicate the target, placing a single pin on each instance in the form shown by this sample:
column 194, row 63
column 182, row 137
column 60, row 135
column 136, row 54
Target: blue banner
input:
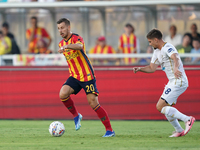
column 3, row 1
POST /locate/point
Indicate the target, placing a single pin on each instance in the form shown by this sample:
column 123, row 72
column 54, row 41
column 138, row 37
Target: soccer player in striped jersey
column 166, row 55
column 81, row 76
column 128, row 44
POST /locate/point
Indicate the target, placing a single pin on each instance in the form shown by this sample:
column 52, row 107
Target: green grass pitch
column 130, row 135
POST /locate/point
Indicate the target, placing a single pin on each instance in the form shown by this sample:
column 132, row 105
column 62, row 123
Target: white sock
column 174, row 122
column 173, row 112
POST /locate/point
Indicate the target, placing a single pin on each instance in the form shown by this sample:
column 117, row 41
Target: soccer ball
column 56, row 128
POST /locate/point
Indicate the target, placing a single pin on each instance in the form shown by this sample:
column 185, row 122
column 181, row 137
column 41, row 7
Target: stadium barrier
column 59, row 59
column 32, row 93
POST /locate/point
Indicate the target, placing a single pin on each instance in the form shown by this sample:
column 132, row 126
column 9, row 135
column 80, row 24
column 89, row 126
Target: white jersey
column 163, row 57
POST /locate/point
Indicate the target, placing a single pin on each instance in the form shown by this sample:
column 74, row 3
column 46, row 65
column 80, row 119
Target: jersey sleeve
column 154, row 59
column 59, row 45
column 78, row 40
column 169, row 50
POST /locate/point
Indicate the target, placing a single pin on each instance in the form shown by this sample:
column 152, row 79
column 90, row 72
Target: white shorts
column 172, row 92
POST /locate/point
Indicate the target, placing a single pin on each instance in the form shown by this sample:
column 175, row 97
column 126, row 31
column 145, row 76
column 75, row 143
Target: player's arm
column 176, row 61
column 31, row 34
column 77, row 46
column 46, row 35
column 147, row 69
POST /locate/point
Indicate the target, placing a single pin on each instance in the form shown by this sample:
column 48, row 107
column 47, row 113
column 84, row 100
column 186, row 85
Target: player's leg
column 68, row 88
column 173, row 112
column 64, row 95
column 169, row 97
column 102, row 114
column 179, row 131
column 92, row 97
column 173, row 121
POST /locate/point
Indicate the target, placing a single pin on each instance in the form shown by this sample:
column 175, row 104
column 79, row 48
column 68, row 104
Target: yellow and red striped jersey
column 79, row 65
column 127, row 44
column 39, row 33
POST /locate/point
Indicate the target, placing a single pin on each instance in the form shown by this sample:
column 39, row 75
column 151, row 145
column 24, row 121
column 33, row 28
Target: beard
column 65, row 36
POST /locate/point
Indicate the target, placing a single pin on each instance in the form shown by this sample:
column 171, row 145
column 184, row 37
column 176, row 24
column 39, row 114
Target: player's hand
column 62, row 49
column 177, row 73
column 136, row 69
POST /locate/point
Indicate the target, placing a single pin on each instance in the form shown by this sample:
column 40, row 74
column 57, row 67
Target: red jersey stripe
column 75, row 69
column 70, row 69
column 89, row 77
column 89, row 66
column 95, row 49
column 83, row 68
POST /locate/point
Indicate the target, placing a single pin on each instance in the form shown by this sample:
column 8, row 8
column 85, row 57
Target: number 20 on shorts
column 89, row 88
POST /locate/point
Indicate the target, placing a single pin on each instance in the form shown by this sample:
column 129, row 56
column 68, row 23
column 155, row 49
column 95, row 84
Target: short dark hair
column 34, row 17
column 1, row 33
column 5, row 25
column 173, row 26
column 154, row 33
column 66, row 21
column 196, row 39
column 194, row 24
column 189, row 35
column 130, row 26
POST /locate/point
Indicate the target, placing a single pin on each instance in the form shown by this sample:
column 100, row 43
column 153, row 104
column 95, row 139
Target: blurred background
column 92, row 19
column 30, row 80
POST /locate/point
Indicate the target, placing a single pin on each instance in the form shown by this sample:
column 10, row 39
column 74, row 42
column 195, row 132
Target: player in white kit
column 166, row 55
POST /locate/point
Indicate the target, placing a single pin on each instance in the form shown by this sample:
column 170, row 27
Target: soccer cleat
column 177, row 134
column 109, row 134
column 188, row 125
column 77, row 121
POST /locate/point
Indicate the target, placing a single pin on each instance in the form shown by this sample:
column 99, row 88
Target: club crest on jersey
column 170, row 50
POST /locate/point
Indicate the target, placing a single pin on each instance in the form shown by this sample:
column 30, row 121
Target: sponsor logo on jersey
column 67, row 50
column 170, row 50
column 71, row 56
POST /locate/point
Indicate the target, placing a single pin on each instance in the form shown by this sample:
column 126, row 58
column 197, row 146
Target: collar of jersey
column 164, row 44
column 68, row 38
